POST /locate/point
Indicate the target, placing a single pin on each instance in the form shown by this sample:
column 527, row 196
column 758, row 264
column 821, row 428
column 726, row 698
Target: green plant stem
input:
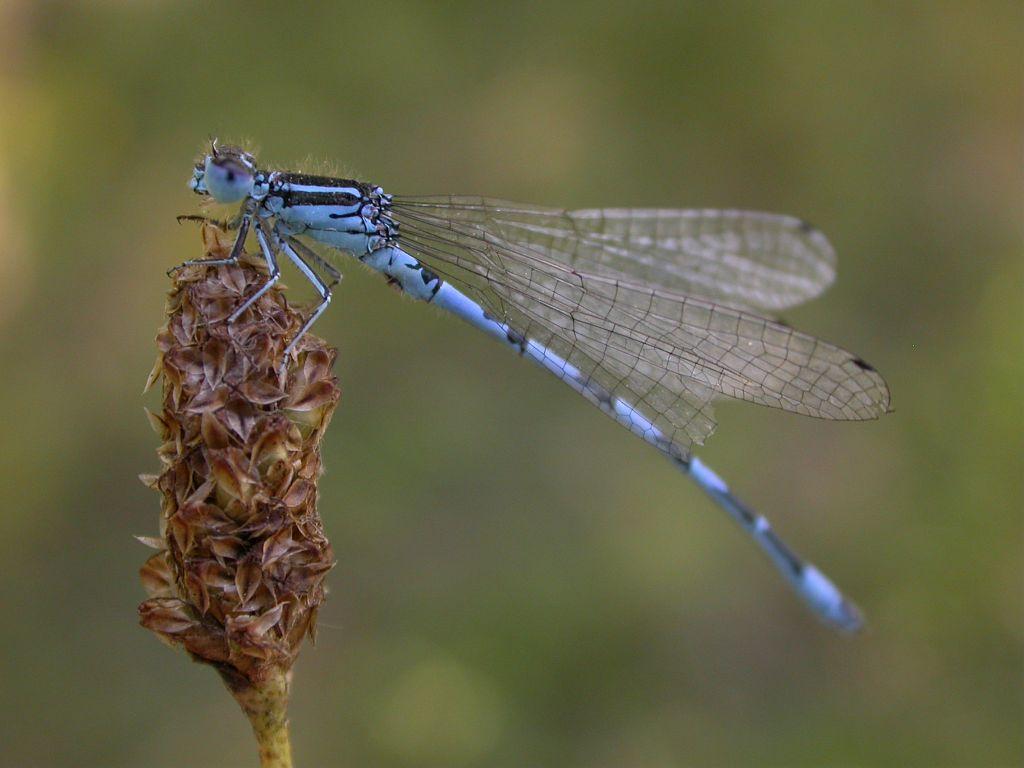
column 266, row 705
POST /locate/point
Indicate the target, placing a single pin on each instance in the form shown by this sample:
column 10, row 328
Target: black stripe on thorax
column 324, row 197
column 295, row 199
column 320, row 181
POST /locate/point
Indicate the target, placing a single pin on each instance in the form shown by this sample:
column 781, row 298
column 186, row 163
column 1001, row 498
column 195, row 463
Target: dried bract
column 239, row 572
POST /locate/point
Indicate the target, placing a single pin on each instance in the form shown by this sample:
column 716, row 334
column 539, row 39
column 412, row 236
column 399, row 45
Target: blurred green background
column 519, row 582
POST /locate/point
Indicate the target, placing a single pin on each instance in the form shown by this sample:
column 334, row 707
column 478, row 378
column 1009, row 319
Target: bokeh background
column 519, row 581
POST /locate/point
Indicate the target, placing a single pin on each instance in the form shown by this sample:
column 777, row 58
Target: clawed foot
column 199, row 262
column 197, row 219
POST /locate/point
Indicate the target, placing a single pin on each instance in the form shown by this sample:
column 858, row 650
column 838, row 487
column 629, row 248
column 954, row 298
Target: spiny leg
column 288, row 246
column 195, row 218
column 308, row 253
column 236, row 249
column 275, row 273
column 225, row 224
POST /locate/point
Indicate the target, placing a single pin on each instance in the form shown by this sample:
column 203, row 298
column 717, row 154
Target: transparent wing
column 740, row 258
column 666, row 354
column 678, row 405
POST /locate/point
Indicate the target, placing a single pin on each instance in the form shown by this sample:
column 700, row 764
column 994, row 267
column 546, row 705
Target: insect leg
column 197, row 219
column 275, row 272
column 287, row 245
column 308, row 253
column 236, row 249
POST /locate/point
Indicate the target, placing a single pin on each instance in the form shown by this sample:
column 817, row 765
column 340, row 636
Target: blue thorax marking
column 349, row 215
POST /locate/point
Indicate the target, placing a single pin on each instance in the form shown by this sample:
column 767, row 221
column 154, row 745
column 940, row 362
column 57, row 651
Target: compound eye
column 227, row 180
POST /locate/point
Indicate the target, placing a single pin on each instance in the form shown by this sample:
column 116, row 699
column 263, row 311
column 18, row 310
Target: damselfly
column 650, row 314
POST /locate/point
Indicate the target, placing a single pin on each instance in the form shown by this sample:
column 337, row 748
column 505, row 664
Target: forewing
column 679, row 406
column 665, row 353
column 739, row 258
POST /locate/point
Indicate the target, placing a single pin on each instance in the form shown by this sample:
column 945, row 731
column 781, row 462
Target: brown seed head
column 240, row 564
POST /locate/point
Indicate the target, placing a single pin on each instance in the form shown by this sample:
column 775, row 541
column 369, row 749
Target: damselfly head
column 226, row 174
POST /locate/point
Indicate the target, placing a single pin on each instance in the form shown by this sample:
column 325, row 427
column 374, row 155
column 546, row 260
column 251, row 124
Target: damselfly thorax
column 649, row 314
column 347, row 215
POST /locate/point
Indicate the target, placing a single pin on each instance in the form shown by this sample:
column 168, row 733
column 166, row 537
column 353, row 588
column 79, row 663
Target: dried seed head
column 242, row 556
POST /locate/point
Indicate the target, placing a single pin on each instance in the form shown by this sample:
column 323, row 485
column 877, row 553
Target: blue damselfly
column 650, row 314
